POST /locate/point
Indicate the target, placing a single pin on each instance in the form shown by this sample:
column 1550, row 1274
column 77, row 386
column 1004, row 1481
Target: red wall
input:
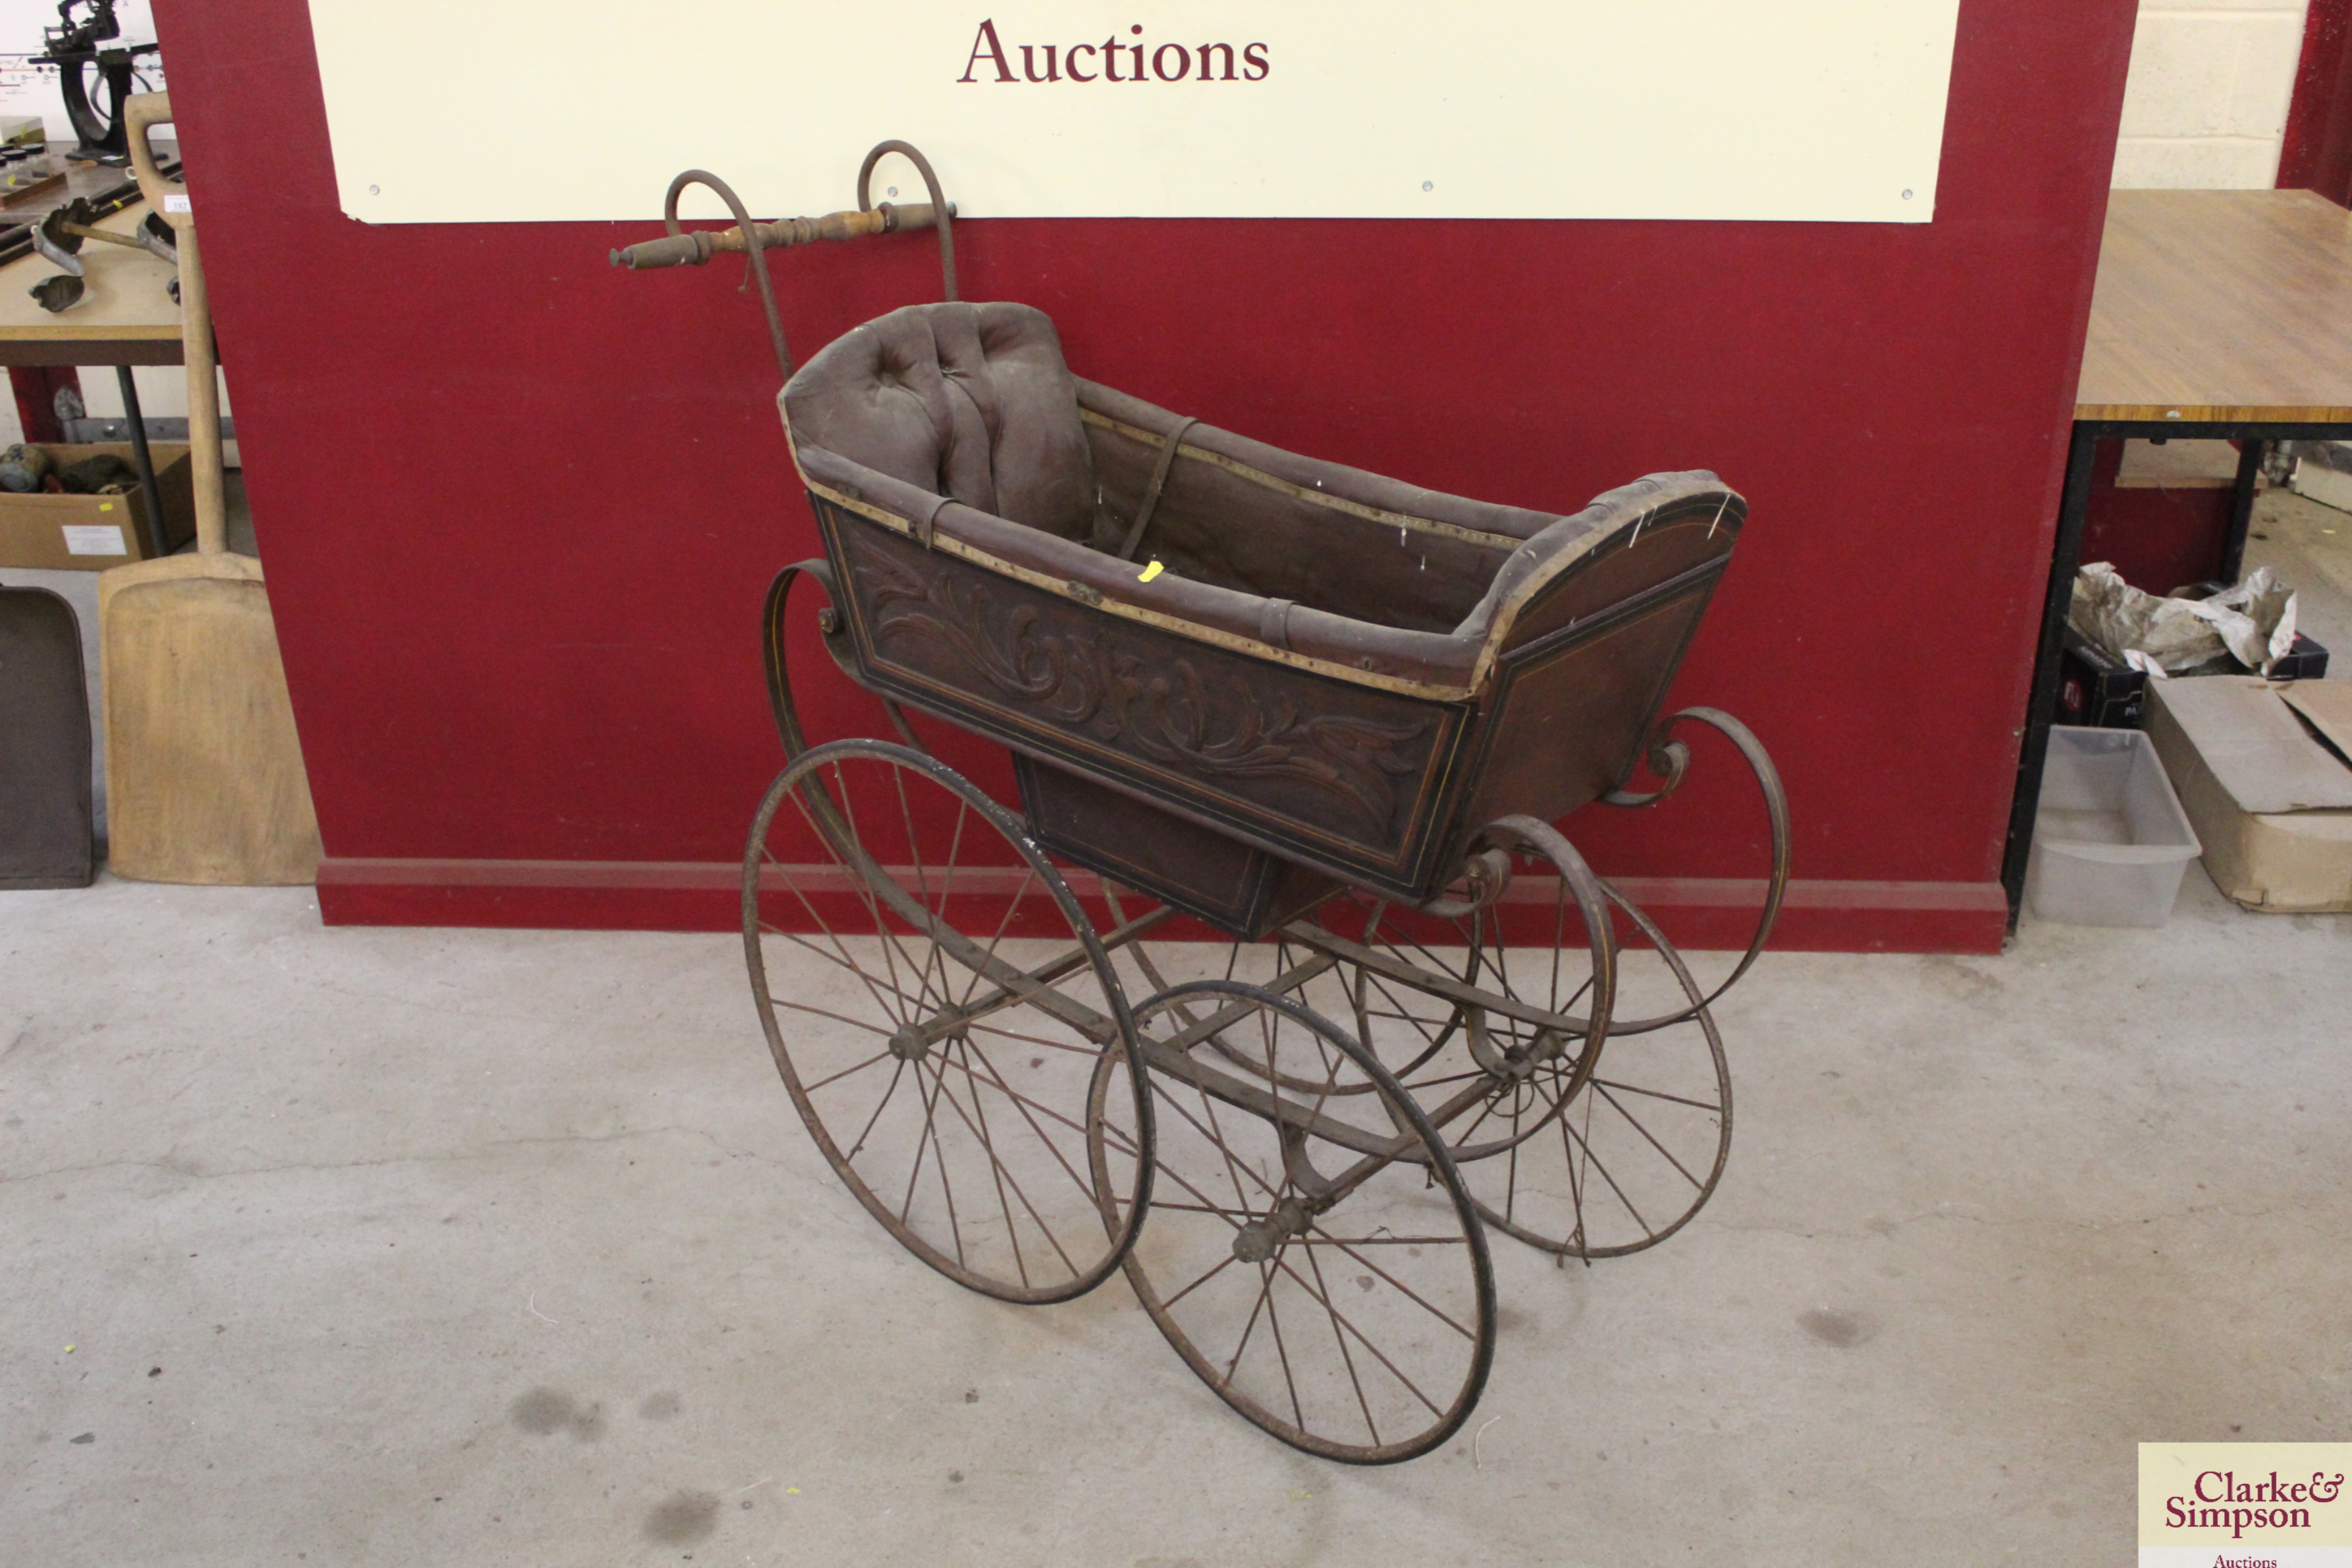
column 519, row 507
column 2157, row 539
column 2315, row 153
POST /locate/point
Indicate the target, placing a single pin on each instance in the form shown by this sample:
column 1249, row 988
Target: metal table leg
column 2242, row 508
column 158, row 536
column 2041, row 703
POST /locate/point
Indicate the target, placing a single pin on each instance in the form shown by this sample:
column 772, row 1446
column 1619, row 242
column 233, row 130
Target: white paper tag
column 176, row 205
column 94, row 539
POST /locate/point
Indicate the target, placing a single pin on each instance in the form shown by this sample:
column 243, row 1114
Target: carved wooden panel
column 1343, row 775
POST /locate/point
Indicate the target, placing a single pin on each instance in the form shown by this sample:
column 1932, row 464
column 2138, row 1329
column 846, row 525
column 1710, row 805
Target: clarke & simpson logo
column 2271, row 1498
column 2244, row 1505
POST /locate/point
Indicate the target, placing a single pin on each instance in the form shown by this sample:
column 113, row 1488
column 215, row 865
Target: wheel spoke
column 1266, row 1288
column 844, row 959
column 1344, row 1322
column 997, row 1081
column 874, row 984
column 864, row 890
column 1006, row 1176
column 1228, row 1261
column 844, row 1072
column 1012, row 1231
column 1653, row 1143
column 867, row 1131
column 1405, row 1290
column 1657, row 1094
column 1004, row 922
column 1036, row 1040
column 1347, row 1359
column 1216, row 1140
column 1595, row 1160
column 1021, row 1103
column 837, row 1017
column 867, row 891
column 1225, row 1215
column 1281, row 1350
column 939, row 1158
column 936, row 958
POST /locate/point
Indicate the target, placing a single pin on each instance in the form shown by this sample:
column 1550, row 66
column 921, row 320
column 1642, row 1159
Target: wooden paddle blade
column 204, row 779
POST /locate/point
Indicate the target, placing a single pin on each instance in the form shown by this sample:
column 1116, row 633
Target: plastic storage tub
column 2110, row 841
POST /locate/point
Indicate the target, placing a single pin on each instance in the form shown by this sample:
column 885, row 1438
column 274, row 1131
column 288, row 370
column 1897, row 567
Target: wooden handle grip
column 140, row 110
column 694, row 248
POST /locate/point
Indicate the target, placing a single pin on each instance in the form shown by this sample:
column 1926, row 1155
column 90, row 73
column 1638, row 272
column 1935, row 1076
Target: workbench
column 126, row 316
column 2216, row 315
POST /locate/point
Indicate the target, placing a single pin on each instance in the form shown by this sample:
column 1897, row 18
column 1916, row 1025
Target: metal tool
column 73, row 47
column 62, row 292
column 61, row 232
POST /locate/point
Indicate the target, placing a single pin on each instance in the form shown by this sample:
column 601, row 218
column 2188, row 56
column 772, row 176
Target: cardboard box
column 91, row 533
column 2271, row 800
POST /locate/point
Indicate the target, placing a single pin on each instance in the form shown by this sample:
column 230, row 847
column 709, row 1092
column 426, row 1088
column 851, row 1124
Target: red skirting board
column 519, row 509
column 1697, row 913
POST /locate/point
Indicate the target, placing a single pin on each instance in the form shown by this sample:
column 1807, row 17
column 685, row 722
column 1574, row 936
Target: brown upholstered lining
column 962, row 418
column 972, row 401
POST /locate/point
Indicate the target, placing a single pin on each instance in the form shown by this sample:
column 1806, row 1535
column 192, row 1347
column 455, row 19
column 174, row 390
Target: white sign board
column 457, row 112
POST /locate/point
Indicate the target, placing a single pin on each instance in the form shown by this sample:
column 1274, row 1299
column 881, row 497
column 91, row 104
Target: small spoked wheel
column 1640, row 1145
column 1491, row 1013
column 939, row 1004
column 1312, row 1253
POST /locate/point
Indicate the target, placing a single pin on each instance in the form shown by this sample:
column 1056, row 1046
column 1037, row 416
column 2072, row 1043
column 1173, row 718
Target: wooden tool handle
column 140, row 110
column 695, row 249
column 204, row 398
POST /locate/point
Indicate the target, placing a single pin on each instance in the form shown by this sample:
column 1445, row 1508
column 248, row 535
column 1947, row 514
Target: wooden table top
column 2221, row 305
column 126, row 316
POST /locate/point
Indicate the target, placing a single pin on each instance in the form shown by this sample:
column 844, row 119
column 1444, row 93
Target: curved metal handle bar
column 828, row 624
column 752, row 241
column 1670, row 760
column 939, row 202
column 1776, row 806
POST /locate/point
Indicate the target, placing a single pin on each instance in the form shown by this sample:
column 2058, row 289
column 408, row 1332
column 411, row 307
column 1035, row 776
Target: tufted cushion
column 970, row 401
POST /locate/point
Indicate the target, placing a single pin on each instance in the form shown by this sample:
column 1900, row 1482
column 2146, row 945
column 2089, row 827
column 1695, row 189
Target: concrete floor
column 425, row 1247
column 2310, row 547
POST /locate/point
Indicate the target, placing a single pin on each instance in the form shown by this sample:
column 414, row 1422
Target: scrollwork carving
column 1168, row 710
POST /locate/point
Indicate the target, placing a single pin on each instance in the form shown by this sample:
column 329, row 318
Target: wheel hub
column 1262, row 1237
column 908, row 1045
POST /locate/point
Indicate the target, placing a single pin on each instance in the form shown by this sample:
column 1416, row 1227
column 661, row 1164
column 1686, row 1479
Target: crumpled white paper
column 2253, row 623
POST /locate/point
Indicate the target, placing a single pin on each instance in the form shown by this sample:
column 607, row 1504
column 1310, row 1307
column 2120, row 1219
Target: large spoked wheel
column 939, row 1004
column 1312, row 1254
column 1641, row 1142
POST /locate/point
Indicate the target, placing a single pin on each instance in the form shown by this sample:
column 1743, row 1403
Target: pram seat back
column 972, row 402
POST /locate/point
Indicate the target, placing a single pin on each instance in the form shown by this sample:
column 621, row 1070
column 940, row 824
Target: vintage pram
column 1328, row 714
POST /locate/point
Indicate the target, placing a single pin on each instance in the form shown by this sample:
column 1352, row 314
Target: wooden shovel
column 203, row 772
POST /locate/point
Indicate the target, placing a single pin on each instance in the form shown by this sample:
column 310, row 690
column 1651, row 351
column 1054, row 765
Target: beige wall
column 2206, row 104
